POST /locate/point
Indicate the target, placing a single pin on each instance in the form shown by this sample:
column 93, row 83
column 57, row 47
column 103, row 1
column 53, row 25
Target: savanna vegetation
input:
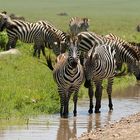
column 26, row 85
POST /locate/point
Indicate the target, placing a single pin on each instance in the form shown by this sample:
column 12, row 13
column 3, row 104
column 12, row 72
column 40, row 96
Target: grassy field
column 26, row 85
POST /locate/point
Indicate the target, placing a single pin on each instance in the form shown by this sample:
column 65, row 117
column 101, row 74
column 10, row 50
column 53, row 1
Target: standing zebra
column 78, row 25
column 88, row 40
column 28, row 33
column 68, row 74
column 100, row 64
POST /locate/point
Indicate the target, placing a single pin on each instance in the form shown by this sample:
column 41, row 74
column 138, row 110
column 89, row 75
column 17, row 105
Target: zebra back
column 125, row 44
column 60, row 34
column 125, row 52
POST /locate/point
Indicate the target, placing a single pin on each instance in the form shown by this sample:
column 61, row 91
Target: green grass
column 26, row 85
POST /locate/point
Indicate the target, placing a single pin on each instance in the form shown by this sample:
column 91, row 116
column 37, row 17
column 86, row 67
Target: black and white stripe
column 63, row 37
column 28, row 33
column 68, row 74
column 100, row 64
column 132, row 67
column 88, row 40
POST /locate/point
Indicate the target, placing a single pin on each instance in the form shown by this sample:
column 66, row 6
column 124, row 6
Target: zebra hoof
column 74, row 113
column 111, row 109
column 90, row 111
column 97, row 111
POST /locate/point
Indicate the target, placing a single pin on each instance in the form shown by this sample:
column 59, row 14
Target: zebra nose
column 74, row 63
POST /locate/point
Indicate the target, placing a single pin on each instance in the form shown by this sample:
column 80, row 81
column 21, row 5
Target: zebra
column 69, row 75
column 63, row 37
column 28, row 33
column 132, row 68
column 78, row 25
column 13, row 16
column 100, row 64
column 138, row 28
column 124, row 53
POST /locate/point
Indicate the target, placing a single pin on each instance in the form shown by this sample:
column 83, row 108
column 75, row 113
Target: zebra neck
column 70, row 69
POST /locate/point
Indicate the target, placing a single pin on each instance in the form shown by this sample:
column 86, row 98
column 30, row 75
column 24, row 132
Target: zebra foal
column 68, row 74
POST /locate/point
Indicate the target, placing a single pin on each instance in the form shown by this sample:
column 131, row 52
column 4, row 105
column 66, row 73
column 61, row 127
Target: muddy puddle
column 51, row 127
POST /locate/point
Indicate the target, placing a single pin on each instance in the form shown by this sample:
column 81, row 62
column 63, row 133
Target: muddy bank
column 126, row 129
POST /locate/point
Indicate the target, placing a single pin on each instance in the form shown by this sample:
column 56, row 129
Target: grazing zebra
column 68, row 74
column 88, row 40
column 78, row 25
column 132, row 68
column 28, row 33
column 100, row 64
column 63, row 37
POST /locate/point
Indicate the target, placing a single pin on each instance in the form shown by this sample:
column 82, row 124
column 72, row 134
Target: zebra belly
column 104, row 73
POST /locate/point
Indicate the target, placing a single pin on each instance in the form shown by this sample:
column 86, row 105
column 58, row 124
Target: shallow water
column 52, row 127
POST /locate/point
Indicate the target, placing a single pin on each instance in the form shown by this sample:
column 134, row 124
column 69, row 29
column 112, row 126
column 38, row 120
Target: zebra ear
column 4, row 12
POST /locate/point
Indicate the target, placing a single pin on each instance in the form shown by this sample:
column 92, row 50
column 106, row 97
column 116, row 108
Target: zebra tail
column 49, row 63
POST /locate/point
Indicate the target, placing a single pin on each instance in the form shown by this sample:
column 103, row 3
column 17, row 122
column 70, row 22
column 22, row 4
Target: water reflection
column 125, row 103
column 65, row 132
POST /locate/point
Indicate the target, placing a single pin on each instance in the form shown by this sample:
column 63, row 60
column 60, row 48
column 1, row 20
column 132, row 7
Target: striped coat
column 68, row 75
column 27, row 32
column 124, row 53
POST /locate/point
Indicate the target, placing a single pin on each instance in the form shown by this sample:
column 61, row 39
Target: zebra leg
column 62, row 105
column 66, row 105
column 98, row 95
column 43, row 52
column 75, row 98
column 90, row 94
column 109, row 91
column 38, row 52
column 11, row 44
column 35, row 50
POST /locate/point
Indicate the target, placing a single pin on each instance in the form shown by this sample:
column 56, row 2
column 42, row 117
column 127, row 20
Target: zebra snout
column 74, row 63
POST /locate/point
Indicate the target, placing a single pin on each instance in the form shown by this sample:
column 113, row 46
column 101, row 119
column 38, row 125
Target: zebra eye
column 55, row 43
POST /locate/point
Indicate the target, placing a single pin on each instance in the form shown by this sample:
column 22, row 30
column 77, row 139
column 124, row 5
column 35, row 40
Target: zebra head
column 90, row 63
column 64, row 43
column 136, row 71
column 73, row 53
column 5, row 21
column 84, row 24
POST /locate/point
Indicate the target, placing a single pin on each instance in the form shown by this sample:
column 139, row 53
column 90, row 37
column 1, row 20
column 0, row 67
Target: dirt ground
column 125, row 129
